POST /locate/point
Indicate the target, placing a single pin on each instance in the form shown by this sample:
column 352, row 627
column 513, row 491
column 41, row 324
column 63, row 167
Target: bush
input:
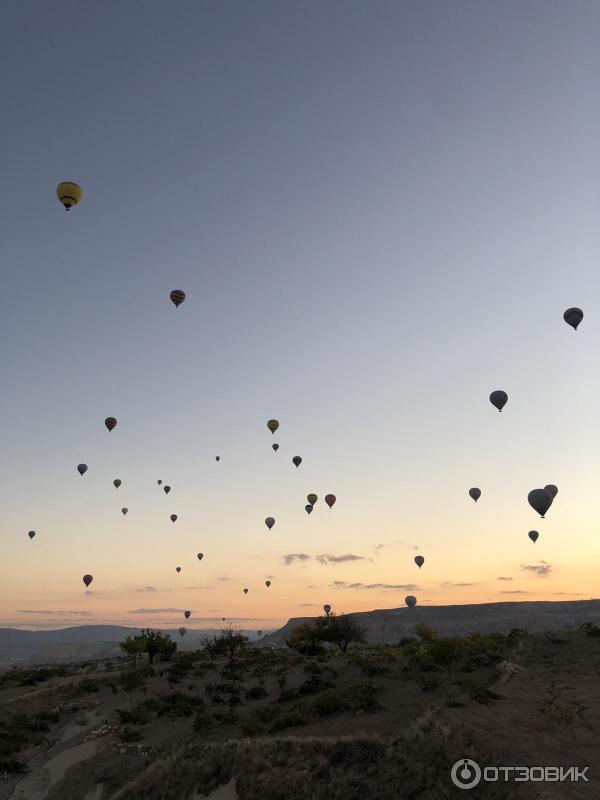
column 329, row 702
column 289, row 719
column 175, row 704
column 314, row 684
column 287, row 695
column 256, row 693
column 251, row 725
column 130, row 735
column 590, row 629
column 137, row 716
column 202, row 722
column 428, row 682
column 87, row 686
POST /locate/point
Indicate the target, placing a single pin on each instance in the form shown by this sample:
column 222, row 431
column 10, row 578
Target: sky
column 379, row 212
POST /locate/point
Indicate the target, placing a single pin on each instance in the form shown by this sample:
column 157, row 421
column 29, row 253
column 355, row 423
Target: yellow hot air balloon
column 69, row 194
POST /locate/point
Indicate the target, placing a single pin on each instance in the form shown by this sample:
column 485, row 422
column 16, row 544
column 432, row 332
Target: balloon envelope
column 296, row 460
column 552, row 490
column 267, row 584
column 159, row 481
column 411, row 601
column 182, row 632
column 82, row 469
column 200, row 556
column 275, row 446
column 87, row 579
column 498, row 399
column 269, row 522
column 540, row 500
column 330, row 499
column 31, row 534
column 245, row 591
column 272, row 425
column 124, row 511
column 573, row 317
column 173, row 517
column 110, row 423
column 117, row 482
column 475, row 493
column 327, row 608
column 419, row 561
column 177, row 569
column 533, row 535
column 177, row 297
column 166, row 489
column 217, row 458
column 312, row 498
column 69, row 194
column 308, row 509
column 187, row 614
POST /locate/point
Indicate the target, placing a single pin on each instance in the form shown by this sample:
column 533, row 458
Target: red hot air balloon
column 177, row 297
column 110, row 423
column 269, row 522
column 87, row 579
column 330, row 500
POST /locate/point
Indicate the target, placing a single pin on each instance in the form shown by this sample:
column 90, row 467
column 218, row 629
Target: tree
column 131, row 681
column 306, row 639
column 425, row 632
column 341, row 631
column 445, row 651
column 153, row 643
column 230, row 640
column 133, row 646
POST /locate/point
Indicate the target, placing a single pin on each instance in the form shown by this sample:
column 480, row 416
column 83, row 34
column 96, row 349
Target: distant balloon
column 475, row 493
column 82, row 469
column 272, row 425
column 269, row 522
column 182, row 632
column 200, row 556
column 177, row 297
column 159, row 481
column 217, row 458
column 411, row 601
column 245, row 591
column 166, row 489
column 173, row 517
column 552, row 490
column 498, row 399
column 330, row 500
column 296, row 460
column 275, row 446
column 117, row 482
column 327, row 608
column 177, row 569
column 312, row 498
column 308, row 509
column 187, row 614
column 540, row 500
column 259, row 634
column 267, row 584
column 533, row 535
column 419, row 561
column 31, row 534
column 124, row 511
column 110, row 423
column 87, row 579
column 69, row 194
column 573, row 317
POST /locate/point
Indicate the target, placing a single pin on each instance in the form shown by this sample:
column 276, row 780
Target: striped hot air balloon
column 177, row 297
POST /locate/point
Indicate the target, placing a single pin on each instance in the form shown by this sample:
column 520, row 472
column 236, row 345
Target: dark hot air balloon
column 330, row 500
column 245, row 591
column 177, row 569
column 31, row 534
column 540, row 500
column 533, row 535
column 159, row 481
column 110, row 423
column 69, row 194
column 217, row 458
column 173, row 517
column 498, row 399
column 200, row 556
column 308, row 509
column 312, row 498
column 182, row 632
column 166, row 489
column 272, row 425
column 267, row 584
column 259, row 634
column 269, row 522
column 296, row 460
column 82, row 469
column 177, row 297
column 327, row 609
column 573, row 317
column 552, row 490
column 124, row 511
column 275, row 446
column 411, row 601
column 475, row 493
column 117, row 482
column 87, row 579
column 187, row 614
column 419, row 561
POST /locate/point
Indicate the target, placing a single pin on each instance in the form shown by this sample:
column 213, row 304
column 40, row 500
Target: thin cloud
column 514, row 591
column 197, row 587
column 450, row 583
column 502, row 578
column 224, row 578
column 290, row 558
column 146, row 589
column 157, row 611
column 541, row 570
column 327, row 558
column 60, row 613
column 374, row 586
column 308, row 605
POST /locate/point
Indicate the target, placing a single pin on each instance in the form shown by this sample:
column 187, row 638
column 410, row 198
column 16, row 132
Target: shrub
column 256, row 693
column 87, row 686
column 289, row 719
column 329, row 701
column 202, row 722
column 590, row 629
column 130, row 735
column 136, row 716
column 314, row 684
column 251, row 725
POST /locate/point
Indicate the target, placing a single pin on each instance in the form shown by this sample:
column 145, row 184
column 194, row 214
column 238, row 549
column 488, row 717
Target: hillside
column 385, row 626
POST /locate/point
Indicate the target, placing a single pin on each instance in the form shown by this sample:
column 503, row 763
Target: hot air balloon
column 69, row 194
column 31, row 534
column 245, row 591
column 82, row 469
column 187, row 614
column 540, row 500
column 498, row 399
column 200, row 556
column 124, row 511
column 552, row 490
column 177, row 297
column 117, row 482
column 475, row 493
column 296, row 460
column 272, row 425
column 87, row 579
column 308, row 509
column 177, row 569
column 159, row 481
column 573, row 317
column 182, row 632
column 312, row 498
column 419, row 561
column 110, row 423
column 275, row 446
column 269, row 522
column 166, row 489
column 217, row 458
column 533, row 535
column 327, row 608
column 173, row 517
column 267, row 584
column 411, row 601
column 330, row 500
column 259, row 634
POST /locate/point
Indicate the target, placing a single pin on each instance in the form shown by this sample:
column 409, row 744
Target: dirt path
column 226, row 792
column 37, row 785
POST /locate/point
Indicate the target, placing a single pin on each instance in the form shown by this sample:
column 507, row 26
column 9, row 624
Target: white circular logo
column 465, row 773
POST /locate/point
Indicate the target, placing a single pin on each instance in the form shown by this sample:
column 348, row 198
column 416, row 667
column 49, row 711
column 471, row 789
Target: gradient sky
column 379, row 212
